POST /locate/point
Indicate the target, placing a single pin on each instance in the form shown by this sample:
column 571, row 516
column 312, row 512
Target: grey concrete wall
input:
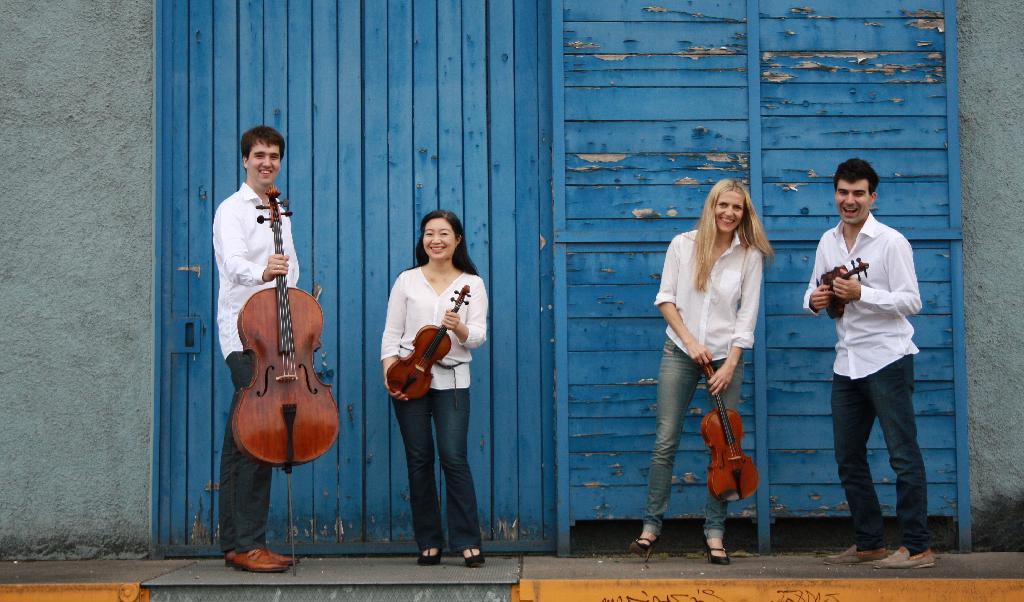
column 991, row 48
column 76, row 233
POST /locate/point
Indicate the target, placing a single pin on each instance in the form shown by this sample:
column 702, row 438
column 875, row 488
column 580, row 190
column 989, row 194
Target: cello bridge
column 286, row 378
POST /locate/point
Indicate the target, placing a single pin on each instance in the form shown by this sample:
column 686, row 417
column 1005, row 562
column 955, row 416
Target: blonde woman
column 710, row 288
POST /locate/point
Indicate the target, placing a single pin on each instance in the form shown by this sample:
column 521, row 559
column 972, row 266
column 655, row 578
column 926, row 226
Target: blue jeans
column 449, row 410
column 677, row 379
column 855, row 404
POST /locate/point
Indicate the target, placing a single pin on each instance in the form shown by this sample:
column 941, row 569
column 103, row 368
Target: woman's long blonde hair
column 750, row 231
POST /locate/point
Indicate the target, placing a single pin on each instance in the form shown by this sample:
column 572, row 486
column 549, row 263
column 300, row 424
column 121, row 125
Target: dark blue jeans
column 856, row 403
column 449, row 411
column 244, row 495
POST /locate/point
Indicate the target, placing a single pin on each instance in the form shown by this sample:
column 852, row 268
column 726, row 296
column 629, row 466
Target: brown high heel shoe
column 643, row 546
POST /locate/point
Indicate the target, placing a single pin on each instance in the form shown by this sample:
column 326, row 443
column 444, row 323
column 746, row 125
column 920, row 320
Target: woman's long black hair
column 460, row 259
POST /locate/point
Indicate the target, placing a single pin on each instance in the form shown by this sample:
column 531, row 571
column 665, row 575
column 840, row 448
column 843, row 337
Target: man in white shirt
column 874, row 369
column 246, row 262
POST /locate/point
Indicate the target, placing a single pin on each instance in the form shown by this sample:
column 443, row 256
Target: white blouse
column 414, row 304
column 725, row 315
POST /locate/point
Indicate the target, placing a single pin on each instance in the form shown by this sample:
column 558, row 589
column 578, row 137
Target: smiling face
column 440, row 240
column 854, row 202
column 262, row 166
column 728, row 212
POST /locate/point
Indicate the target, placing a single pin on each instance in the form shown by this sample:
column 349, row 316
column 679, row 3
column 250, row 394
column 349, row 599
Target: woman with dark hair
column 422, row 296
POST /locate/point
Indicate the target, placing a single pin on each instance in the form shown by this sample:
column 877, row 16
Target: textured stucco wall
column 991, row 77
column 76, row 269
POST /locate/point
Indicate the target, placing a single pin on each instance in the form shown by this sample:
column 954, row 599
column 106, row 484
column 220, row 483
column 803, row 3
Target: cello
column 286, row 415
column 731, row 473
column 411, row 374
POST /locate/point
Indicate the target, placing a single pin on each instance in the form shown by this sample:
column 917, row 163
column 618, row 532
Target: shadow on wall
column 999, row 526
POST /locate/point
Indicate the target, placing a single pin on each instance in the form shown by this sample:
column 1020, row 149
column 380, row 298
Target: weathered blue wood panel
column 851, row 34
column 601, row 37
column 655, row 136
column 844, row 99
column 655, row 70
column 640, row 103
column 860, row 67
column 390, row 110
column 644, row 10
column 829, row 9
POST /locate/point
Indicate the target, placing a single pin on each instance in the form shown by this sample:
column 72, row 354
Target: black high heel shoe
column 427, row 559
column 474, row 560
column 711, row 558
column 641, row 546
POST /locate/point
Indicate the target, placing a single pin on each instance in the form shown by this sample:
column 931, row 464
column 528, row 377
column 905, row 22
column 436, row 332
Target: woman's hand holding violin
column 388, row 361
column 453, row 323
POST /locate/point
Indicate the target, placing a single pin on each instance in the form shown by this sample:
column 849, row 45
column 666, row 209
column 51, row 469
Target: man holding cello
column 864, row 276
column 247, row 263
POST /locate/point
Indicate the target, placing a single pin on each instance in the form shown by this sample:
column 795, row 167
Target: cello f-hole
column 309, row 386
column 266, row 382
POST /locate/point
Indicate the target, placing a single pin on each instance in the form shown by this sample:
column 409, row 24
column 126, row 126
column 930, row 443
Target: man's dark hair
column 261, row 133
column 853, row 170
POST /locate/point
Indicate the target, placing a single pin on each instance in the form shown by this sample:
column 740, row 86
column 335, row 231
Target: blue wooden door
column 390, row 109
column 653, row 103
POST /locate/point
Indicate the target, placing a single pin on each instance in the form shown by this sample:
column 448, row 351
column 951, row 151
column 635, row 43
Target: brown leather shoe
column 229, row 557
column 257, row 561
column 280, row 557
column 852, row 555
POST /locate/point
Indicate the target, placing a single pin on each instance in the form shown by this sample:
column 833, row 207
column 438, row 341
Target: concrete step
column 341, row 580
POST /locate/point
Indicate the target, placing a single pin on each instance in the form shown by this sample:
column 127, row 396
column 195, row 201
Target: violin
column 286, row 415
column 411, row 374
column 731, row 473
column 836, row 306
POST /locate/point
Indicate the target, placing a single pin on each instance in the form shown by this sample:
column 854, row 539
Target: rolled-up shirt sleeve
column 750, row 298
column 394, row 324
column 669, row 276
column 229, row 242
column 476, row 317
column 904, row 298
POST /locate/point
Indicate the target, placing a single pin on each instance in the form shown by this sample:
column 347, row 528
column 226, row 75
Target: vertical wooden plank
column 545, row 187
column 226, row 158
column 529, row 391
column 425, row 107
column 323, row 261
column 250, row 69
column 350, row 325
column 760, row 358
column 401, row 230
column 377, row 279
column 449, row 91
column 180, row 280
column 963, row 483
column 564, row 517
column 298, row 104
column 476, row 220
column 164, row 248
column 275, row 114
column 200, row 217
column 503, row 291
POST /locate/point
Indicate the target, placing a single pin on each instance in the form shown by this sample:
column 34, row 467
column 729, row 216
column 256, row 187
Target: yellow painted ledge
column 769, row 590
column 74, row 592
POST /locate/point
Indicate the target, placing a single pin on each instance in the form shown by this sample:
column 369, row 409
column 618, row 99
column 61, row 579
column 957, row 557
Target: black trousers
column 244, row 484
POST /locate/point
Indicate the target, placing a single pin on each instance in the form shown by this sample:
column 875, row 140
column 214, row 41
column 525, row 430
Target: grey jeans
column 677, row 380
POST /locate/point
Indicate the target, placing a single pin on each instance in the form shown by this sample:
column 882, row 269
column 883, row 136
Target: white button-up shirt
column 242, row 246
column 723, row 316
column 874, row 330
column 414, row 304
